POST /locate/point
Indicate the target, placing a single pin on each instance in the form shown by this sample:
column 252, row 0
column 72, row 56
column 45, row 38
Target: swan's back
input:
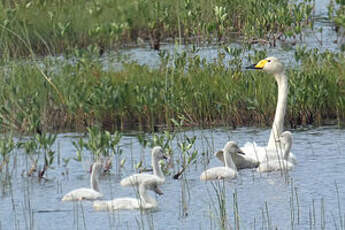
column 121, row 204
column 262, row 154
column 82, row 194
column 218, row 173
column 139, row 178
column 275, row 165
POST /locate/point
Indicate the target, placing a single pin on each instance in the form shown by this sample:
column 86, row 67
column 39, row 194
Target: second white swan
column 144, row 202
column 92, row 193
column 281, row 163
column 229, row 171
column 158, row 176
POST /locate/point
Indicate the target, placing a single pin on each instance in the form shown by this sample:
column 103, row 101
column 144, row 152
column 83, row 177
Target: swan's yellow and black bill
column 259, row 65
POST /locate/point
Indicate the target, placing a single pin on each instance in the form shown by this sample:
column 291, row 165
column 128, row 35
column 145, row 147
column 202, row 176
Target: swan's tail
column 101, row 205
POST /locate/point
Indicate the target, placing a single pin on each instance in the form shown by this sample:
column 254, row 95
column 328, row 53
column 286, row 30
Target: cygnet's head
column 270, row 65
column 232, row 147
column 151, row 185
column 286, row 138
column 157, row 153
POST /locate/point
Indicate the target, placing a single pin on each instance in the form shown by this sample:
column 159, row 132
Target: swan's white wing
column 218, row 173
column 254, row 151
column 125, row 203
column 262, row 154
column 136, row 179
column 82, row 194
column 116, row 204
column 275, row 165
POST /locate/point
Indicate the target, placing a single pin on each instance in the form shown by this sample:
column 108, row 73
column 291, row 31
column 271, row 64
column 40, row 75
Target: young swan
column 87, row 193
column 229, row 171
column 280, row 164
column 242, row 161
column 157, row 176
column 144, row 202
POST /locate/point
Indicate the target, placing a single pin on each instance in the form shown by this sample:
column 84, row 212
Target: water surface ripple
column 265, row 201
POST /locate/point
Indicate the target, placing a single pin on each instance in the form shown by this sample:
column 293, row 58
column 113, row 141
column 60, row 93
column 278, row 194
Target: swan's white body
column 229, row 171
column 272, row 151
column 87, row 193
column 282, row 163
column 158, row 176
column 144, row 202
column 263, row 154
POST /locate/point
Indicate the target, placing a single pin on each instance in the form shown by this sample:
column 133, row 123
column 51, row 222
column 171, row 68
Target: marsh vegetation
column 55, row 78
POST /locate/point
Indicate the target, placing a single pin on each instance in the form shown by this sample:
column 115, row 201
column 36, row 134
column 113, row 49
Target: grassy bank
column 52, row 27
column 63, row 95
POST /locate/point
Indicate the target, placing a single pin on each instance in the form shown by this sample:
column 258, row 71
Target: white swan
column 242, row 161
column 87, row 193
column 144, row 202
column 273, row 66
column 282, row 163
column 229, row 171
column 136, row 179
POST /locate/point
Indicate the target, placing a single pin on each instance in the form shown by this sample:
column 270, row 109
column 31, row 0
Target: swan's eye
column 268, row 60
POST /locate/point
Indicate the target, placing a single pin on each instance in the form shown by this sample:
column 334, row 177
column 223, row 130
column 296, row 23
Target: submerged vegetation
column 53, row 27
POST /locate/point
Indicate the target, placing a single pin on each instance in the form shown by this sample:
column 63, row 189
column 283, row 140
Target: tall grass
column 139, row 97
column 52, row 27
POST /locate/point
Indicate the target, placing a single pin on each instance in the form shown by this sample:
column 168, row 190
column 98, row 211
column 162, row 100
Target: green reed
column 52, row 27
column 139, row 97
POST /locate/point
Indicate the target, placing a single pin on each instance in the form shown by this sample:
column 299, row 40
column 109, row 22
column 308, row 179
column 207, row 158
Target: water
column 320, row 156
column 322, row 37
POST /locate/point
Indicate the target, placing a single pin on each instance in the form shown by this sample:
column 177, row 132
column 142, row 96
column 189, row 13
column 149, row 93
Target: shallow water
column 28, row 204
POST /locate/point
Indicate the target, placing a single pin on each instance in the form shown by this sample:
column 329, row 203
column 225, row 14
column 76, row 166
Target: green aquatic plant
column 45, row 142
column 53, row 27
column 137, row 97
column 7, row 145
column 36, row 146
column 102, row 145
column 188, row 155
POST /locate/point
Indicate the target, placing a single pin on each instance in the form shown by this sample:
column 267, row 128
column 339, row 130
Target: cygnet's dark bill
column 157, row 190
column 240, row 152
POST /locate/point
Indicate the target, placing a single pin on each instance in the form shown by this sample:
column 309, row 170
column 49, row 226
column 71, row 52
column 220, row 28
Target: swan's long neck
column 278, row 123
column 93, row 179
column 287, row 149
column 156, row 167
column 145, row 198
column 228, row 160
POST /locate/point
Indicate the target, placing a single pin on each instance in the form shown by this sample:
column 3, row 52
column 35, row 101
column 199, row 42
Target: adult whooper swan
column 229, row 171
column 273, row 66
column 144, row 202
column 136, row 179
column 280, row 164
column 87, row 193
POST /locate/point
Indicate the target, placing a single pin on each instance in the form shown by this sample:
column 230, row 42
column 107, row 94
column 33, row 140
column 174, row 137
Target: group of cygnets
column 275, row 156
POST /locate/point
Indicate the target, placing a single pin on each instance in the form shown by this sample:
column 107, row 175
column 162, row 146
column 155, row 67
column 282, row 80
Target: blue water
column 320, row 154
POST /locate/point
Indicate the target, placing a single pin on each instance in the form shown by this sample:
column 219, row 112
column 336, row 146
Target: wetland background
column 169, row 73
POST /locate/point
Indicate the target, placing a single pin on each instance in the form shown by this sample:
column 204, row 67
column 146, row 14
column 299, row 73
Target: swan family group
column 273, row 157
